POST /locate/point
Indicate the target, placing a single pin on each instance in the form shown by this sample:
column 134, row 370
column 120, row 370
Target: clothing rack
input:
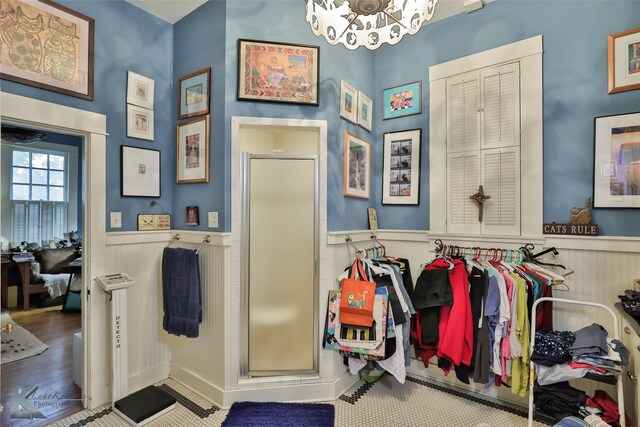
column 495, row 254
column 349, row 240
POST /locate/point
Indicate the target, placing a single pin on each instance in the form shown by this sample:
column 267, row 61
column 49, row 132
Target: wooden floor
column 52, row 370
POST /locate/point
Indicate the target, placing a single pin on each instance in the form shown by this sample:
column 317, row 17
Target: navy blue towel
column 181, row 294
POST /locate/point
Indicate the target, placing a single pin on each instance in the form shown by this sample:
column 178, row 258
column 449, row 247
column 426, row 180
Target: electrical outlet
column 116, row 219
column 213, row 219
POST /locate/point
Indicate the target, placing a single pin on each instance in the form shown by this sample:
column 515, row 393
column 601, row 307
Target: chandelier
column 368, row 23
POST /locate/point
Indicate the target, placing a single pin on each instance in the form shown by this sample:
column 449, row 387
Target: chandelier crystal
column 368, row 23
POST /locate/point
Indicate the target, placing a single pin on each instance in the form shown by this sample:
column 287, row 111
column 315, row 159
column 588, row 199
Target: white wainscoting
column 604, row 268
column 139, row 254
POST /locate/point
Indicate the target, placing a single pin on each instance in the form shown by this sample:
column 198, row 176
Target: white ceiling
column 174, row 10
column 169, row 10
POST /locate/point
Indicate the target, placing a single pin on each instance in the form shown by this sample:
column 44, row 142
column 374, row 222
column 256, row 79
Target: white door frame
column 232, row 304
column 92, row 128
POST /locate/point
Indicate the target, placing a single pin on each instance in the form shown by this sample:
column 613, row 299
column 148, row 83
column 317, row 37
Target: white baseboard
column 148, row 377
column 312, row 392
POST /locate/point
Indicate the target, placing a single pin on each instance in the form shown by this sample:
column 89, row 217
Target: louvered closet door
column 463, row 179
column 463, row 118
column 501, row 180
column 500, row 119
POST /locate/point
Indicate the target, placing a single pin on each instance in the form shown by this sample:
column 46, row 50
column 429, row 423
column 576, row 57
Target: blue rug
column 272, row 414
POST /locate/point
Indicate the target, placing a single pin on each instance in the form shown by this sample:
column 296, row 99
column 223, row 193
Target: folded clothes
column 562, row 372
column 591, row 340
column 552, row 347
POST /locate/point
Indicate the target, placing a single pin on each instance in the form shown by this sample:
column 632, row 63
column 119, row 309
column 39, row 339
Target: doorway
column 91, row 129
column 41, row 215
column 280, row 246
column 276, row 141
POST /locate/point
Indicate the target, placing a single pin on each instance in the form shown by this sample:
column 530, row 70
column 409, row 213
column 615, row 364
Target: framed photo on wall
column 401, row 168
column 193, row 94
column 403, row 100
column 357, row 166
column 193, row 215
column 193, row 151
column 348, row 102
column 278, row 72
column 365, row 111
column 616, row 182
column 624, row 61
column 373, row 218
column 52, row 49
column 140, row 90
column 139, row 122
column 139, row 172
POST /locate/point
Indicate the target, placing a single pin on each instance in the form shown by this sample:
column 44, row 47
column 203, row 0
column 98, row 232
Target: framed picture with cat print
column 47, row 46
column 140, row 90
column 616, row 181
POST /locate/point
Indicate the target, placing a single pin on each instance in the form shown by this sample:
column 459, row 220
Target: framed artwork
column 278, row 72
column 624, row 61
column 139, row 122
column 373, row 218
column 357, row 166
column 401, row 168
column 193, row 151
column 140, row 90
column 403, row 100
column 348, row 102
column 152, row 222
column 47, row 46
column 139, row 172
column 193, row 94
column 616, row 182
column 365, row 111
column 193, row 216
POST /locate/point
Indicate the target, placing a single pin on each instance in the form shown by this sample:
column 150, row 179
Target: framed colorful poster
column 403, row 100
column 365, row 111
column 616, row 182
column 193, row 94
column 48, row 46
column 278, row 72
column 139, row 122
column 357, row 166
column 140, row 90
column 348, row 102
column 193, row 151
column 401, row 168
column 624, row 61
column 139, row 172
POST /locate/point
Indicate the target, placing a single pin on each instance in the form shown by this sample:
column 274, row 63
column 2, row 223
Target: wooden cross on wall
column 480, row 198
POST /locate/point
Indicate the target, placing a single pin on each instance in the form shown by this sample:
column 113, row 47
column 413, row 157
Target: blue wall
column 199, row 42
column 575, row 91
column 126, row 38
column 284, row 21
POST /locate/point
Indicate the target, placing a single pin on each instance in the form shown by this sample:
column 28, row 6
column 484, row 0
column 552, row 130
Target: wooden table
column 71, row 269
column 23, row 269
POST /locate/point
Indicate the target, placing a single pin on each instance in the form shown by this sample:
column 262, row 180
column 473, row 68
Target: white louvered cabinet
column 483, row 148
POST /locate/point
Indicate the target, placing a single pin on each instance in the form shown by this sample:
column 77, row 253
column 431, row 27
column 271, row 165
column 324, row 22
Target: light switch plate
column 213, row 219
column 116, row 219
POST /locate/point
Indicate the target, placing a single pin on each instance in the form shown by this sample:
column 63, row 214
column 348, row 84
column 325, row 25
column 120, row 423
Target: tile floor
column 384, row 403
